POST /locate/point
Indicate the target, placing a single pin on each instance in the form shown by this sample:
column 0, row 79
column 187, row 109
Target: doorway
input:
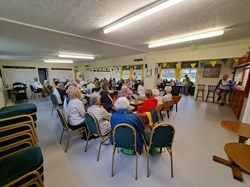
column 43, row 74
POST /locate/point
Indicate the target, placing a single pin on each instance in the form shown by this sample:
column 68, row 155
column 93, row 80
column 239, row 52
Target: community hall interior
column 169, row 79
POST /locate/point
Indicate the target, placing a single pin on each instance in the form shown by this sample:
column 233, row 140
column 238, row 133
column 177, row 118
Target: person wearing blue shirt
column 123, row 115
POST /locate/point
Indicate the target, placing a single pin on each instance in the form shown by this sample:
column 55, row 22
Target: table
column 136, row 103
column 238, row 128
column 238, row 155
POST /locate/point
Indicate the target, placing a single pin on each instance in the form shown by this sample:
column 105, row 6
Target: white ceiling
column 31, row 30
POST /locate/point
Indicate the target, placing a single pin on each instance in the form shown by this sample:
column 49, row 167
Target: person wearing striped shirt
column 100, row 113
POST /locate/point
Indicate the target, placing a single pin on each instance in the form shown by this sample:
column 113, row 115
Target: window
column 117, row 75
column 126, row 74
column 191, row 72
column 138, row 73
column 168, row 74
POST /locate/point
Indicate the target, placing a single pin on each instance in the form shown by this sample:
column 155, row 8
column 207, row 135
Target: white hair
column 156, row 92
column 122, row 103
column 168, row 88
column 94, row 98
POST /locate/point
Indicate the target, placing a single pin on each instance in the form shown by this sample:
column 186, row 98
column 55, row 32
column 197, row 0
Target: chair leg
column 168, row 113
column 61, row 136
column 171, row 160
column 207, row 95
column 203, row 95
column 176, row 106
column 136, row 167
column 113, row 163
column 161, row 115
column 100, row 145
column 52, row 110
column 86, row 146
column 67, row 143
column 213, row 96
column 197, row 94
column 147, row 163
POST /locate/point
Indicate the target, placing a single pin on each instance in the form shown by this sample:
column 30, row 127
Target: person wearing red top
column 149, row 104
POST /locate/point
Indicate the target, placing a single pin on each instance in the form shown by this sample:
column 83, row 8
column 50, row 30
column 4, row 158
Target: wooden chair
column 70, row 130
column 162, row 136
column 93, row 127
column 124, row 136
column 166, row 107
column 159, row 108
column 200, row 88
column 176, row 99
column 211, row 89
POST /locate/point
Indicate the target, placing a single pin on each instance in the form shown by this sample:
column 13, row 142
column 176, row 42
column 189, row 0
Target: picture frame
column 148, row 72
column 156, row 71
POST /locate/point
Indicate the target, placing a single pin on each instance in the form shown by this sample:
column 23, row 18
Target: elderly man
column 123, row 115
column 223, row 88
column 38, row 86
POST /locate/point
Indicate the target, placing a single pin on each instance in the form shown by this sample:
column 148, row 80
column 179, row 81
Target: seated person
column 47, row 87
column 123, row 115
column 60, row 93
column 125, row 92
column 149, row 104
column 156, row 94
column 74, row 85
column 100, row 113
column 175, row 90
column 106, row 98
column 90, row 86
column 74, row 110
column 38, row 86
column 168, row 96
column 141, row 90
column 222, row 89
column 55, row 83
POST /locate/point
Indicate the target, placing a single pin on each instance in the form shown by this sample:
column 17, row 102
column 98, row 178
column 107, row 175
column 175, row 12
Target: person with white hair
column 38, row 86
column 100, row 113
column 168, row 96
column 156, row 94
column 123, row 115
column 125, row 92
column 90, row 86
column 60, row 93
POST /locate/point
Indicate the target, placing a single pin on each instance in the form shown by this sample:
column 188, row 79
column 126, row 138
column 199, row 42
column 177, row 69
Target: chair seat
column 17, row 165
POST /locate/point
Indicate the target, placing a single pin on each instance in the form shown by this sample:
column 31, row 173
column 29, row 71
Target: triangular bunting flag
column 202, row 64
column 185, row 65
column 178, row 66
column 193, row 65
column 135, row 67
column 224, row 61
column 213, row 62
column 159, row 65
column 236, row 62
column 164, row 65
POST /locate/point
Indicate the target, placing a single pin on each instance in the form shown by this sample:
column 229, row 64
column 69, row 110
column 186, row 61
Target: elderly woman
column 125, row 92
column 149, row 104
column 223, row 88
column 106, row 98
column 48, row 88
column 156, row 94
column 74, row 110
column 123, row 115
column 168, row 95
column 100, row 113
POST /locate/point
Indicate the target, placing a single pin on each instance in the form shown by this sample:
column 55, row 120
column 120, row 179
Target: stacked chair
column 21, row 160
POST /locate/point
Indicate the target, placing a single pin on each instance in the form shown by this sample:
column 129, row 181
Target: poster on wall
column 211, row 72
column 148, row 72
column 156, row 71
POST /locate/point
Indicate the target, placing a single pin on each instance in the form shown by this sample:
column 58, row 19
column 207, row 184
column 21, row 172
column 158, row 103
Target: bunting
column 202, row 64
column 193, row 65
column 224, row 61
column 164, row 65
column 178, row 66
column 135, row 67
column 213, row 62
column 185, row 65
column 236, row 62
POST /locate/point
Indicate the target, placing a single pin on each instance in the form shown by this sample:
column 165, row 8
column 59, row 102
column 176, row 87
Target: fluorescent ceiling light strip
column 187, row 38
column 75, row 56
column 141, row 15
column 58, row 61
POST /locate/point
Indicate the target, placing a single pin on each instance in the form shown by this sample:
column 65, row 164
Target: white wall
column 2, row 94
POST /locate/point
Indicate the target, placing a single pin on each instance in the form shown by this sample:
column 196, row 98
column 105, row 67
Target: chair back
column 176, row 99
column 167, row 105
column 159, row 108
column 63, row 119
column 124, row 136
column 143, row 117
column 162, row 136
column 201, row 86
column 92, row 123
column 54, row 99
column 211, row 88
column 32, row 88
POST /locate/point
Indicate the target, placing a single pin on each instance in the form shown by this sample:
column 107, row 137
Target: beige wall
column 203, row 52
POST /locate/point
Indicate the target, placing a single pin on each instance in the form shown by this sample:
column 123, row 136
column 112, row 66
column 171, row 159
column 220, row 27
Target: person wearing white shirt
column 156, row 94
column 38, row 86
column 90, row 86
column 141, row 90
column 168, row 96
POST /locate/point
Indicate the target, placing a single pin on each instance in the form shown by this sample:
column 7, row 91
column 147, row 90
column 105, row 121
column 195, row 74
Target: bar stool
column 211, row 89
column 201, row 87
